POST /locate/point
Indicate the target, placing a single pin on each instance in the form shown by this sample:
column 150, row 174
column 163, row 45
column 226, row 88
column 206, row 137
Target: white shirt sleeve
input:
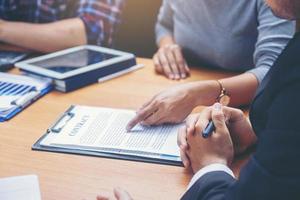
column 207, row 169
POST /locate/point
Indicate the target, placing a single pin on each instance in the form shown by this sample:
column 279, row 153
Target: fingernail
column 217, row 106
column 183, row 76
column 171, row 76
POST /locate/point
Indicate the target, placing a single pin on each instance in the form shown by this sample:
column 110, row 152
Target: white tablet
column 74, row 61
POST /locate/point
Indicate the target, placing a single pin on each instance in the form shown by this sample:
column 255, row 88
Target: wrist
column 211, row 161
column 206, row 92
column 166, row 41
column 210, row 168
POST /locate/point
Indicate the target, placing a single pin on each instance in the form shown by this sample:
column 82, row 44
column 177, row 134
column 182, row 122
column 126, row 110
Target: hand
column 218, row 148
column 239, row 127
column 182, row 138
column 119, row 194
column 175, row 104
column 169, row 61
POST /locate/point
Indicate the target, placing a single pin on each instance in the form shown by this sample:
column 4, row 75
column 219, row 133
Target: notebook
column 99, row 131
column 17, row 92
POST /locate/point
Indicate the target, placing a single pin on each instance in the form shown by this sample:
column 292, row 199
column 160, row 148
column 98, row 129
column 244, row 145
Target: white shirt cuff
column 207, row 169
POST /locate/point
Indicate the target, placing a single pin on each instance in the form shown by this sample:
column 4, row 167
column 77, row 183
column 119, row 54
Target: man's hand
column 239, row 127
column 119, row 194
column 175, row 104
column 218, row 148
column 169, row 61
column 237, row 124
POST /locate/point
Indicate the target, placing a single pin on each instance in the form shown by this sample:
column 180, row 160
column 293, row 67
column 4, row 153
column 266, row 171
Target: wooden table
column 65, row 176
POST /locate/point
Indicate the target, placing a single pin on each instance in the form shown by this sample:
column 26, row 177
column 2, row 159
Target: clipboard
column 68, row 150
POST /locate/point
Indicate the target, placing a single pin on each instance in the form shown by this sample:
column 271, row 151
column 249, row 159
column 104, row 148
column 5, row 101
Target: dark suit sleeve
column 273, row 172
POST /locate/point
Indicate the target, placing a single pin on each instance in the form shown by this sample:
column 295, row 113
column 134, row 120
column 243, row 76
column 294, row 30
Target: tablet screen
column 74, row 60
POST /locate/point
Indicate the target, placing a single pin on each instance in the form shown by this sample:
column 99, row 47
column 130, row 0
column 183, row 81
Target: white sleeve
column 210, row 168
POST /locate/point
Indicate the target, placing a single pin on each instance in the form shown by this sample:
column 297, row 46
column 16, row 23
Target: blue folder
column 17, row 92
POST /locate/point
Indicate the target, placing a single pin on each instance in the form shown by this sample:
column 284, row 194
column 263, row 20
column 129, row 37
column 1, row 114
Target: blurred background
column 136, row 33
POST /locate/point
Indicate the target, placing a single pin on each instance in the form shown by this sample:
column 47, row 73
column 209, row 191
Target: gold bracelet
column 224, row 97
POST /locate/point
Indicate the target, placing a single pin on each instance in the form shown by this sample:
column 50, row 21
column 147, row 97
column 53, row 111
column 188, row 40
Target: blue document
column 17, row 92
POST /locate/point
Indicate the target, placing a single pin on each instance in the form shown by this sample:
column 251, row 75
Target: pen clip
column 62, row 122
column 25, row 99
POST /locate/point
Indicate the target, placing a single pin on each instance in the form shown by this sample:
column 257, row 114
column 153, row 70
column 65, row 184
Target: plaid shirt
column 100, row 17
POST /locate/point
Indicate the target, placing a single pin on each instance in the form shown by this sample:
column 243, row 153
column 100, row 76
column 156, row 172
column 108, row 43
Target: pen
column 26, row 98
column 125, row 71
column 222, row 99
column 210, row 128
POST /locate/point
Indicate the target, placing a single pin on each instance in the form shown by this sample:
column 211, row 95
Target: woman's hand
column 175, row 104
column 170, row 62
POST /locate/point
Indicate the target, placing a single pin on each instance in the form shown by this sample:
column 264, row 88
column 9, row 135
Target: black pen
column 210, row 128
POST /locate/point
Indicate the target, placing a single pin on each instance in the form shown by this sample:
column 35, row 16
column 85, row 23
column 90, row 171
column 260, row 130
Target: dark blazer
column 273, row 172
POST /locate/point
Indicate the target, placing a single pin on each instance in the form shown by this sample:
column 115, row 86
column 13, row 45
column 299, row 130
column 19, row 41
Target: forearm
column 9, row 47
column 241, row 89
column 44, row 37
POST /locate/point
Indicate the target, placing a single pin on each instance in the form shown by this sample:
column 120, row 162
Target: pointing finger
column 141, row 116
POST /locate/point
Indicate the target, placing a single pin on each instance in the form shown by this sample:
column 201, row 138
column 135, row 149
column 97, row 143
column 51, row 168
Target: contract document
column 104, row 130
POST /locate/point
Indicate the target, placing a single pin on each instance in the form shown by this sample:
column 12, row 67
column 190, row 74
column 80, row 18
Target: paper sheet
column 19, row 188
column 104, row 128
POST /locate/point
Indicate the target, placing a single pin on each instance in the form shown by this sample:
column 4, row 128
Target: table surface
column 64, row 176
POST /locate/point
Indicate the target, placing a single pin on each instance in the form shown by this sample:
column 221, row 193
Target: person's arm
column 175, row 104
column 273, row 36
column 44, row 37
column 101, row 19
column 164, row 25
column 273, row 171
column 168, row 60
column 93, row 22
column 241, row 89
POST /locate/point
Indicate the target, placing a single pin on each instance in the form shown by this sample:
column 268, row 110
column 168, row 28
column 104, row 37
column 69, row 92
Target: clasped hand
column 233, row 134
